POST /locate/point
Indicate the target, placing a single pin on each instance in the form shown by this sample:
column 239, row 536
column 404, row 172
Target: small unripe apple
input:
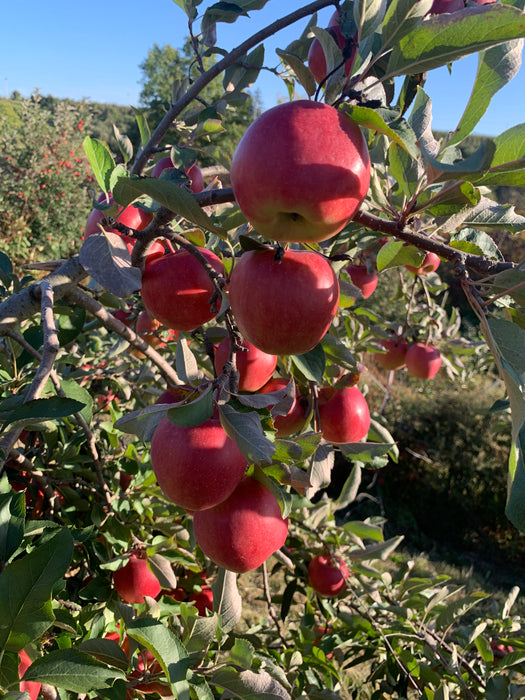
column 363, row 279
column 300, row 171
column 283, row 307
column 344, row 414
column 255, row 367
column 395, row 355
column 294, row 420
column 177, row 290
column 30, row 687
column 316, row 57
column 430, row 264
column 423, row 360
column 135, row 580
column 327, row 575
column 196, row 467
column 241, row 533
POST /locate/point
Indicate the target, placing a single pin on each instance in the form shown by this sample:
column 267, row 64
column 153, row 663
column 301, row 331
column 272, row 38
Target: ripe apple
column 294, row 420
column 395, row 355
column 423, row 360
column 283, row 307
column 440, row 7
column 316, row 57
column 196, row 467
column 241, row 533
column 255, row 367
column 203, row 600
column 135, row 580
column 176, row 289
column 344, row 414
column 194, row 173
column 429, row 264
column 301, row 171
column 30, row 687
column 364, row 280
column 327, row 575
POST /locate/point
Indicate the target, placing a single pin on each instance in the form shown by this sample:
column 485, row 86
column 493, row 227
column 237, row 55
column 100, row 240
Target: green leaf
column 478, row 242
column 508, row 164
column 26, row 586
column 226, row 599
column 448, row 37
column 365, row 451
column 507, row 280
column 471, row 168
column 78, row 393
column 185, row 362
column 377, row 551
column 194, row 412
column 175, row 198
column 40, row 410
column 70, row 669
column 401, row 17
column 487, row 215
column 311, row 364
column 244, row 72
column 454, row 611
column 124, row 144
column 397, row 131
column 12, row 522
column 364, row 531
column 246, row 430
column 167, row 649
column 395, row 253
column 101, row 161
column 301, row 73
column 142, row 123
column 350, row 488
column 496, row 67
column 107, row 651
column 320, row 468
column 249, row 685
column 368, row 16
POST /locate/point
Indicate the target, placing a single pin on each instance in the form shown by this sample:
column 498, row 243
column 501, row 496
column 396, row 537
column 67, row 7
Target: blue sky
column 93, row 51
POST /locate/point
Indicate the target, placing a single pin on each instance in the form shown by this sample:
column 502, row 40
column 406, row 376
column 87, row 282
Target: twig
column 271, row 610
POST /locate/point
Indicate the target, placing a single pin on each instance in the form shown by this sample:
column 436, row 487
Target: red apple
column 327, row 575
column 423, row 360
column 196, row 467
column 283, row 307
column 255, row 367
column 244, row 530
column 344, row 414
column 364, row 280
column 193, row 172
column 316, row 57
column 301, row 171
column 176, row 289
column 203, row 600
column 30, row 687
column 429, row 264
column 294, row 420
column 395, row 355
column 440, row 7
column 135, row 580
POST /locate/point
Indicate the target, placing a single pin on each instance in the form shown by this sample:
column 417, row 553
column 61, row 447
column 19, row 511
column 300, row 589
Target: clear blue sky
column 93, row 50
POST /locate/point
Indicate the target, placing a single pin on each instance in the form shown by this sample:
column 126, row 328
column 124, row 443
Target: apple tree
column 177, row 393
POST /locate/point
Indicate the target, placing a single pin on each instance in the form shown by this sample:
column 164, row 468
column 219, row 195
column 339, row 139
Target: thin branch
column 203, row 80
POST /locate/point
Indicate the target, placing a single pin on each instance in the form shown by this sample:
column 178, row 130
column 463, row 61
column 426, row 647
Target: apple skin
column 300, row 171
column 203, row 600
column 255, row 366
column 327, row 575
column 176, row 289
column 423, row 361
column 316, row 57
column 196, row 467
column 193, row 172
column 135, row 580
column 441, row 7
column 344, row 415
column 364, row 280
column 283, row 307
column 30, row 687
column 395, row 355
column 430, row 264
column 294, row 420
column 244, row 530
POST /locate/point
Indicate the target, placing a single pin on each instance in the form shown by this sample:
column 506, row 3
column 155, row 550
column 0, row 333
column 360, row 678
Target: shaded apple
column 194, row 173
column 136, row 580
column 327, row 575
column 30, row 687
column 316, row 58
column 244, row 530
column 430, row 263
column 363, row 279
column 294, row 420
column 344, row 414
column 177, row 291
column 423, row 360
column 255, row 367
column 301, row 171
column 203, row 600
column 283, row 306
column 196, row 467
column 395, row 355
